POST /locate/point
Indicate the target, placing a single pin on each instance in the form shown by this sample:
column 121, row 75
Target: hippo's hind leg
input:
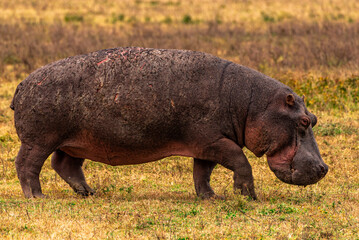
column 29, row 162
column 70, row 169
column 202, row 170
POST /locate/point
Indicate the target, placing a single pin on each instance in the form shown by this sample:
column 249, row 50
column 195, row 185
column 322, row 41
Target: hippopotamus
column 135, row 105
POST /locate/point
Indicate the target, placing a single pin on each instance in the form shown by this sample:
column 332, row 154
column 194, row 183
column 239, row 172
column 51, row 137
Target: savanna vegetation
column 312, row 46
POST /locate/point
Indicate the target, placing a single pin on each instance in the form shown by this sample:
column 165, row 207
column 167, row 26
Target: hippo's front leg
column 230, row 155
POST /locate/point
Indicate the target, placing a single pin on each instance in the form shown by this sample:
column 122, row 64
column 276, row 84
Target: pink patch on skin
column 122, row 54
column 103, row 61
column 116, row 98
column 39, row 83
column 136, row 56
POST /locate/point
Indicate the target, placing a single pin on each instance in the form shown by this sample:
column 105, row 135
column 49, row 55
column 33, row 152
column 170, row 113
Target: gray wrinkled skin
column 134, row 105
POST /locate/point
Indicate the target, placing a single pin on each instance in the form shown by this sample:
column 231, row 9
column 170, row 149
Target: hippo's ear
column 313, row 119
column 290, row 99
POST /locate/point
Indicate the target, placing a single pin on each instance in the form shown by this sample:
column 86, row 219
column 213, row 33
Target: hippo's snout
column 301, row 176
column 309, row 175
column 306, row 167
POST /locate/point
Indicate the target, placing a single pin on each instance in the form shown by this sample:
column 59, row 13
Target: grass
column 311, row 46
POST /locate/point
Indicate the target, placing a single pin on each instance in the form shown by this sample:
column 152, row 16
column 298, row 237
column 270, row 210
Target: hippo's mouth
column 280, row 161
column 283, row 157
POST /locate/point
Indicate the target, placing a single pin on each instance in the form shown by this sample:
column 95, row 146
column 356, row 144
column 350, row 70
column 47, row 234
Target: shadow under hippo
column 134, row 105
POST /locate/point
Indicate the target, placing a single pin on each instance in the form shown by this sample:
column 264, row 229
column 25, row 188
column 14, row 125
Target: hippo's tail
column 12, row 105
column 13, row 99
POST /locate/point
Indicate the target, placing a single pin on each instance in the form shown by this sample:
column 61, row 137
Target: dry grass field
column 312, row 46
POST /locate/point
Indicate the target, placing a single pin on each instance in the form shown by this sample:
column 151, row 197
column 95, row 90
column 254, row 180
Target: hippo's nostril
column 323, row 170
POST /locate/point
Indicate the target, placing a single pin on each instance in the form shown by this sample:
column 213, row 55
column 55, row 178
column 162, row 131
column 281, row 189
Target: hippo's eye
column 305, row 122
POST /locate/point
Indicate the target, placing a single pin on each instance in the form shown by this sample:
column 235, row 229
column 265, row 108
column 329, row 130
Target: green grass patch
column 73, row 17
column 187, row 19
column 334, row 129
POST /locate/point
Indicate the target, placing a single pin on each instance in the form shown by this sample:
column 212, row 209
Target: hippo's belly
column 114, row 155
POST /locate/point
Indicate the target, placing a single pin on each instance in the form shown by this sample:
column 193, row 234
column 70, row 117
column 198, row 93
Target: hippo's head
column 283, row 131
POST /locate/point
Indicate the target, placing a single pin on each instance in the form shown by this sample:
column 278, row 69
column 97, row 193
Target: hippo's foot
column 28, row 164
column 244, row 187
column 39, row 196
column 83, row 189
column 202, row 170
column 70, row 169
